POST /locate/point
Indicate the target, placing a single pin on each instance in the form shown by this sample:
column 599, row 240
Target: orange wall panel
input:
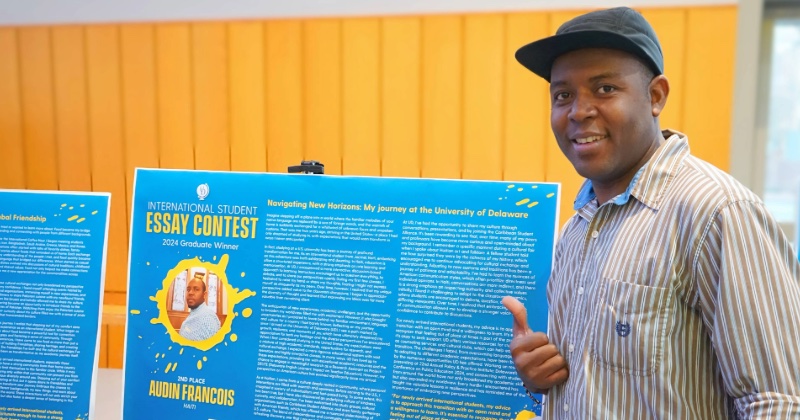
column 442, row 75
column 210, row 88
column 102, row 357
column 361, row 143
column 284, row 94
column 484, row 64
column 12, row 171
column 708, row 98
column 174, row 94
column 116, row 344
column 400, row 96
column 72, row 128
column 107, row 146
column 322, row 93
column 139, row 111
column 247, row 103
column 38, row 119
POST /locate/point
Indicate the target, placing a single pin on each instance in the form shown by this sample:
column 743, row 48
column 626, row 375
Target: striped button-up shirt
column 677, row 299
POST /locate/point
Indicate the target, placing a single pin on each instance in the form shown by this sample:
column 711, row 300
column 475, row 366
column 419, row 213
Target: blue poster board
column 52, row 265
column 283, row 296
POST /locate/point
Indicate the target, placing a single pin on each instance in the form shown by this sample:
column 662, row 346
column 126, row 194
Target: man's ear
column 659, row 91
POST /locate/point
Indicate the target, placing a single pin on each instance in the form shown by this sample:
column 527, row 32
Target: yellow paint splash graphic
column 135, row 311
column 525, row 415
column 200, row 362
column 525, row 201
column 234, row 337
column 234, row 297
column 77, row 218
column 246, row 312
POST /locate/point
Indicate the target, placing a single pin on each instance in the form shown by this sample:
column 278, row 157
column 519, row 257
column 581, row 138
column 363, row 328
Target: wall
column 436, row 96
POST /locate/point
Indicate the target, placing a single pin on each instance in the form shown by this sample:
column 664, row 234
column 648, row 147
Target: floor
column 108, row 404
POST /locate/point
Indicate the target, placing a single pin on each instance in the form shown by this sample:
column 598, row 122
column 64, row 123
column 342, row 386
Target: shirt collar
column 651, row 180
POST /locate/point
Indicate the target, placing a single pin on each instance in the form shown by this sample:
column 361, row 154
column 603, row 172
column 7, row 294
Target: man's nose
column 583, row 107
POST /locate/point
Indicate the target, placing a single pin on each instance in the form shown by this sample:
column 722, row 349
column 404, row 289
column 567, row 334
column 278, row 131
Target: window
column 781, row 170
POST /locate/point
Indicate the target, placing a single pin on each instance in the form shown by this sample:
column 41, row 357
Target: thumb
column 520, row 314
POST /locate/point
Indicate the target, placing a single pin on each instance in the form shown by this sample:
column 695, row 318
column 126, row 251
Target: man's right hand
column 538, row 362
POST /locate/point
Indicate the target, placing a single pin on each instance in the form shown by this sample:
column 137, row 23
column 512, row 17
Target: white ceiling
column 33, row 12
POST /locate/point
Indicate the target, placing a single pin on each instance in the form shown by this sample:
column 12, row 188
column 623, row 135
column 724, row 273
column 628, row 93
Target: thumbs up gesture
column 538, row 362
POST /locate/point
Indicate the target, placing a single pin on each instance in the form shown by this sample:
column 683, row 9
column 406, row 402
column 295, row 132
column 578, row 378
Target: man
column 202, row 321
column 674, row 294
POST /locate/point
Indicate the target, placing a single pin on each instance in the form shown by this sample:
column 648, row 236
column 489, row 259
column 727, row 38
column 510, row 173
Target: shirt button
column 595, row 234
column 566, row 407
column 571, row 348
column 580, row 290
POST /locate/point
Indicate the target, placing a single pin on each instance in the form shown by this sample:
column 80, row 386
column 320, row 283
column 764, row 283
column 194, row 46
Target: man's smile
column 588, row 139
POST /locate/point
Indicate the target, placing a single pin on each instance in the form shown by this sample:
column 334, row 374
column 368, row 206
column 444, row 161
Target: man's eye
column 561, row 96
column 606, row 89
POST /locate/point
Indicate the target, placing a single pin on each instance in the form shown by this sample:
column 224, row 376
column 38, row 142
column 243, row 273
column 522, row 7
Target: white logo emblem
column 202, row 191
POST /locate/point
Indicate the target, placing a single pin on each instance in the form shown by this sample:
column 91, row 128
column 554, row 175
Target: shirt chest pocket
column 631, row 327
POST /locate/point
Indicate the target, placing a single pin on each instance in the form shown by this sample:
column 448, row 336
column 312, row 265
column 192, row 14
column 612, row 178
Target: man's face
column 195, row 293
column 602, row 114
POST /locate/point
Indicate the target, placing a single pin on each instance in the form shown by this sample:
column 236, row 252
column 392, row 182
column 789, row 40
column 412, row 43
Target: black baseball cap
column 619, row 28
